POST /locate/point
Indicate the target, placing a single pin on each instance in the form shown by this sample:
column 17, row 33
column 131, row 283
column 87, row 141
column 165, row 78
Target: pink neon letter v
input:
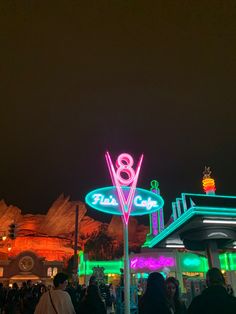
column 126, row 204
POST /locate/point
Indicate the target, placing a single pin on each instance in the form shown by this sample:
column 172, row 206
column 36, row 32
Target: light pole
column 75, row 261
column 126, row 268
column 123, row 198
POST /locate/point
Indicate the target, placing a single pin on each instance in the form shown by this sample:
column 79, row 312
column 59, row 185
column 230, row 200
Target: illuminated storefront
column 204, row 224
column 190, row 265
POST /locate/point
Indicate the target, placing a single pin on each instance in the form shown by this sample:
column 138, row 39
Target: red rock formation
column 51, row 235
column 60, row 218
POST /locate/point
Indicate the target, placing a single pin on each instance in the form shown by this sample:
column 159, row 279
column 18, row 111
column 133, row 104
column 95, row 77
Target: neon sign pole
column 124, row 165
column 125, row 199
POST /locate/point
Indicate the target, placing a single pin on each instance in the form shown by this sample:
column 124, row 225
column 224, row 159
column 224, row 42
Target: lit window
column 54, row 272
column 49, row 271
column 1, row 271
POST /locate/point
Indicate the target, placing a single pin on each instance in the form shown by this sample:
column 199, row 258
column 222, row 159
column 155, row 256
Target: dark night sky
column 81, row 77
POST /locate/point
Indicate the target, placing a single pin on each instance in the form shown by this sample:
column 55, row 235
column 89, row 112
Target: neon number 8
column 124, row 164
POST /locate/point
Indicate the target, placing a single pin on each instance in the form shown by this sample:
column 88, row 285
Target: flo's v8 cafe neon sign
column 106, row 200
column 124, row 198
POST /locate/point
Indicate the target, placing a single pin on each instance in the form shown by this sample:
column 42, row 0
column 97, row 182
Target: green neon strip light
column 110, row 267
column 189, row 262
column 232, row 261
column 211, row 211
column 228, row 261
column 193, row 263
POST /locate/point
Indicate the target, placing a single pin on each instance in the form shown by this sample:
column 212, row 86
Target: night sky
column 82, row 77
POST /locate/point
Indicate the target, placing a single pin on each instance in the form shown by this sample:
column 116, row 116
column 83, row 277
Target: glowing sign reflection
column 151, row 262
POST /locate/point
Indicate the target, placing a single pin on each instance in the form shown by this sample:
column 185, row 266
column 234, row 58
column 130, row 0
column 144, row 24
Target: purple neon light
column 154, row 216
column 161, row 220
column 151, row 263
column 154, row 223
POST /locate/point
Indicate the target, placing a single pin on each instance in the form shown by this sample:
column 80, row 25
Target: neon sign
column 124, row 198
column 106, row 200
column 207, row 182
column 124, row 164
column 151, row 263
column 192, row 261
column 102, row 200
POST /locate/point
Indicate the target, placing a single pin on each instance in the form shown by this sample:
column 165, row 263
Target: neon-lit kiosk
column 204, row 224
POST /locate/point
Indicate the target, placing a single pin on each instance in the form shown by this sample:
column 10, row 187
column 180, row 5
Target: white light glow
column 228, row 222
column 175, row 246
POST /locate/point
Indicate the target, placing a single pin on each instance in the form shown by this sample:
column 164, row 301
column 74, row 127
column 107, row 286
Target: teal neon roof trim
column 169, row 229
column 193, row 211
column 208, row 195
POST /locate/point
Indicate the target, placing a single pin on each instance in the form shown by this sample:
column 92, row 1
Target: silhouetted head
column 15, row 285
column 93, row 280
column 93, row 292
column 155, row 280
column 29, row 283
column 154, row 297
column 214, row 277
column 60, row 281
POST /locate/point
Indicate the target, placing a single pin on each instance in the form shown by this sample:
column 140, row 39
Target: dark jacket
column 179, row 307
column 91, row 307
column 157, row 306
column 213, row 300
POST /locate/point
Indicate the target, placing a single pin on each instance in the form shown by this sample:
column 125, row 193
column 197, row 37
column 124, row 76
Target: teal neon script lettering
column 149, row 203
column 102, row 200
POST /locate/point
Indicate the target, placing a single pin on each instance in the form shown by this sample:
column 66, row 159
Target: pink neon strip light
column 151, row 263
column 126, row 204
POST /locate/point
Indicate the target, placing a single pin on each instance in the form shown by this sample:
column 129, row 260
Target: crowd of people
column 62, row 298
column 160, row 297
column 20, row 299
column 163, row 297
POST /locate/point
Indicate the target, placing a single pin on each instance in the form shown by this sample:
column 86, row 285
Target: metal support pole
column 126, row 269
column 75, row 268
column 212, row 254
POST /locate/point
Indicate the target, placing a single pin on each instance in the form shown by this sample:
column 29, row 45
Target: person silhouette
column 56, row 300
column 215, row 298
column 154, row 298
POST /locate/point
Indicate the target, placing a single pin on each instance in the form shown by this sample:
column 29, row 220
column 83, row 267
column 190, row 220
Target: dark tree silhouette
column 100, row 245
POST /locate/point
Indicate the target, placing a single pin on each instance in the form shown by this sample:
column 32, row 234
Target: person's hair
column 215, row 277
column 15, row 285
column 155, row 280
column 155, row 286
column 93, row 280
column 154, row 296
column 59, row 279
column 175, row 282
column 93, row 293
